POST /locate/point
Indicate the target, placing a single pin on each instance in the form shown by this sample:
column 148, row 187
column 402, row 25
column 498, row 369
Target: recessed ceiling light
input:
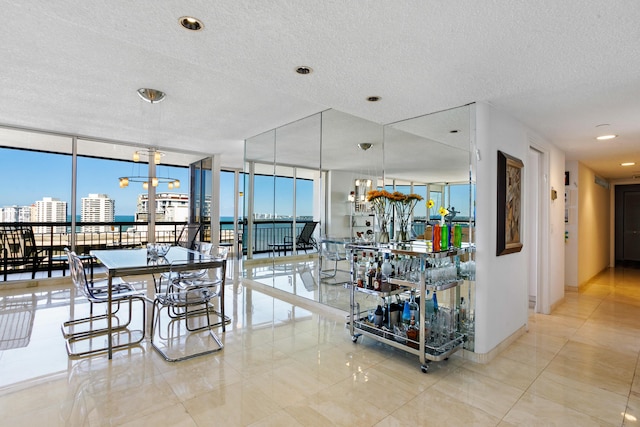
column 151, row 95
column 191, row 23
column 304, row 70
column 373, row 98
column 605, row 137
column 627, row 164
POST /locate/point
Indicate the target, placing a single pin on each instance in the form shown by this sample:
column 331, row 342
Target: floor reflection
column 287, row 363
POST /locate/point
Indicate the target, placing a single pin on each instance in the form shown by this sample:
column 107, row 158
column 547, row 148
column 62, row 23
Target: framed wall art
column 510, row 177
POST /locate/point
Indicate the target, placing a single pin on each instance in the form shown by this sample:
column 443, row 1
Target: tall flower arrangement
column 404, row 204
column 381, row 202
column 430, row 204
column 443, row 212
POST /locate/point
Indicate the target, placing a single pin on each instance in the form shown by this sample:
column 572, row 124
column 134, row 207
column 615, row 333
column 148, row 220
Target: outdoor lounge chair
column 18, row 249
column 305, row 239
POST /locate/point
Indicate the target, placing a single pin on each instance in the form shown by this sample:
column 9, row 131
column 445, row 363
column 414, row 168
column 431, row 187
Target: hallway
column 285, row 365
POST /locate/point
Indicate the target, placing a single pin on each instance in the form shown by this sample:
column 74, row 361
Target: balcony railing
column 52, row 237
column 266, row 232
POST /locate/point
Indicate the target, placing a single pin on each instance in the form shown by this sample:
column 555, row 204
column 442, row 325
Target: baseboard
column 484, row 358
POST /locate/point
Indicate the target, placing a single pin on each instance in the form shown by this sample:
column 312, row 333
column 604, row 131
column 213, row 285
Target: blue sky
column 33, row 175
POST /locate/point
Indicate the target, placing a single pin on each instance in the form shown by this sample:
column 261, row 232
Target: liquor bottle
column 378, row 316
column 386, row 266
column 412, row 332
column 406, row 313
column 435, row 302
column 362, row 272
column 413, row 306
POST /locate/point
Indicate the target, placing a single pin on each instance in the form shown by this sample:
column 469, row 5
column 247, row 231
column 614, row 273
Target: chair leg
column 157, row 308
column 327, row 275
column 130, row 337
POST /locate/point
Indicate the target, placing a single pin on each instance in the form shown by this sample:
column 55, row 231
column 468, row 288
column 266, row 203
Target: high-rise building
column 15, row 213
column 50, row 209
column 97, row 208
column 169, row 207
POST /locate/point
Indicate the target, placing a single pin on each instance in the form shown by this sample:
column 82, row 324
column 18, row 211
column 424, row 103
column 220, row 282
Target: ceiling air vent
column 602, row 182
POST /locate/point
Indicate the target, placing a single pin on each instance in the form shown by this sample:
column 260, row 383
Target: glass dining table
column 133, row 262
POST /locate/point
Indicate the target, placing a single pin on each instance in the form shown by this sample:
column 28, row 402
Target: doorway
column 627, row 225
column 533, row 173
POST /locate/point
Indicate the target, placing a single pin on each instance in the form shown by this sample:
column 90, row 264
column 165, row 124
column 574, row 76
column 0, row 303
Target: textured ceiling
column 561, row 67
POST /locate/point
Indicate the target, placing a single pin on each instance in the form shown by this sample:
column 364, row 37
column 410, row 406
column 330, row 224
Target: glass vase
column 383, row 233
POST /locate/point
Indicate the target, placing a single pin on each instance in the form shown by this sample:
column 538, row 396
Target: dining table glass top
column 138, row 258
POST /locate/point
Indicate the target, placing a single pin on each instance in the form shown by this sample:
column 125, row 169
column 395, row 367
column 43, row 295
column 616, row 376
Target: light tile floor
column 285, row 365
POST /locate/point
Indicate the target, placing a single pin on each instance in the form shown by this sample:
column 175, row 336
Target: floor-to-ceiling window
column 110, row 205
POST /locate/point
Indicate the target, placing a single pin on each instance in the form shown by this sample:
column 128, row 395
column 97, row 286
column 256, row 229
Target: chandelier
column 157, row 157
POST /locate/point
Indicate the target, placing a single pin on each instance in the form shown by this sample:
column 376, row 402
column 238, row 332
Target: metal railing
column 267, row 232
column 52, row 237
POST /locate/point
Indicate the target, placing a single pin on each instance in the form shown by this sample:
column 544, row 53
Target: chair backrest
column 306, row 234
column 203, row 247
column 77, row 272
column 189, row 234
column 18, row 242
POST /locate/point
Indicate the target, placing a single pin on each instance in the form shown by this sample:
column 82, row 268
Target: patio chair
column 189, row 235
column 167, row 277
column 305, row 239
column 19, row 249
column 335, row 252
column 83, row 330
column 187, row 301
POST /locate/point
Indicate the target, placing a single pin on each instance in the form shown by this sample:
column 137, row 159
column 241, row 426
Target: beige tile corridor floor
column 284, row 365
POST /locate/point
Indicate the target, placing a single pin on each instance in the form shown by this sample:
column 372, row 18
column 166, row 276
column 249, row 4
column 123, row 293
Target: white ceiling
column 561, row 67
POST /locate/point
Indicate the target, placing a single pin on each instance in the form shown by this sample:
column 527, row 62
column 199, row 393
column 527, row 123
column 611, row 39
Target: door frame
column 543, row 291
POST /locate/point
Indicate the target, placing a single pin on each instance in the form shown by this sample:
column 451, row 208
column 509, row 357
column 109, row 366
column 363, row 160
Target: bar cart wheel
column 424, row 368
column 355, row 338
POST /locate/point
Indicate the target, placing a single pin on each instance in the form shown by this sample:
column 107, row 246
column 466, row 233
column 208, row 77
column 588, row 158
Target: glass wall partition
column 94, row 199
column 436, row 151
column 282, row 169
column 346, row 158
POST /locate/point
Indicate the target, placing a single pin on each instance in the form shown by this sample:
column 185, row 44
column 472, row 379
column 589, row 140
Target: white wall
column 340, row 183
column 501, row 281
column 593, row 230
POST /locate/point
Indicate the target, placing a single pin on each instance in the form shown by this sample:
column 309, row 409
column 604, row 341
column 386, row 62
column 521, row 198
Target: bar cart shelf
column 427, row 345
